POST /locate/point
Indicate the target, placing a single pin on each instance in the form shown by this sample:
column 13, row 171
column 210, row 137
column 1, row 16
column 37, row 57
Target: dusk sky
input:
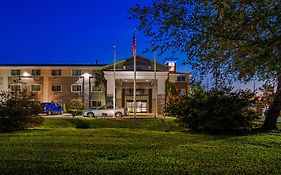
column 69, row 31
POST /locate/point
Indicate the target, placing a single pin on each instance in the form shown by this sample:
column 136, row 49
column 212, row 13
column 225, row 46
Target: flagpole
column 114, row 69
column 155, row 86
column 135, row 74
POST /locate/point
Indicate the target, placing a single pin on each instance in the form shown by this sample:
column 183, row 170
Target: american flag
column 134, row 45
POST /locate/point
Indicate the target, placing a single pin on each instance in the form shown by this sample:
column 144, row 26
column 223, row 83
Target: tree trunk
column 274, row 110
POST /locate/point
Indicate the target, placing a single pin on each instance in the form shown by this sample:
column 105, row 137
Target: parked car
column 105, row 111
column 52, row 108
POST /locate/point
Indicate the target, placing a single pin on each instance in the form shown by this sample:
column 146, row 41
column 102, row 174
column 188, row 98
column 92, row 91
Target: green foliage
column 233, row 40
column 240, row 39
column 267, row 95
column 136, row 151
column 214, row 110
column 76, row 107
column 17, row 110
column 171, row 92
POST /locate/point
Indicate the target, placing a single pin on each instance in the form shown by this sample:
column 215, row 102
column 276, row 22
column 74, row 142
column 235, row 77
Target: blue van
column 52, row 108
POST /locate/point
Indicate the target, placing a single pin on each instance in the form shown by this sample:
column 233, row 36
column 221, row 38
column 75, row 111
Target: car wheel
column 118, row 114
column 90, row 114
column 49, row 113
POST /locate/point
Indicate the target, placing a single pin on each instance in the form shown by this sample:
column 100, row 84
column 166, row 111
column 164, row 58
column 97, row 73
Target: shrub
column 17, row 110
column 82, row 124
column 214, row 110
column 76, row 107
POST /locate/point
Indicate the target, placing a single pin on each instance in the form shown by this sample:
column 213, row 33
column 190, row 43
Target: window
column 139, row 92
column 15, row 87
column 181, row 79
column 182, row 92
column 35, row 88
column 76, row 72
column 76, row 88
column 96, row 88
column 95, row 104
column 36, row 72
column 56, row 88
column 15, row 72
column 56, row 72
column 172, row 67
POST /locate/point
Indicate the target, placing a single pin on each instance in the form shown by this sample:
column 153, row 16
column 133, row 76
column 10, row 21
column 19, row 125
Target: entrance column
column 110, row 89
column 161, row 95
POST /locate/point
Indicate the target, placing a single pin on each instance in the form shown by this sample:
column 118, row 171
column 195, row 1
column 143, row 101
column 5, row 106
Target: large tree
column 240, row 38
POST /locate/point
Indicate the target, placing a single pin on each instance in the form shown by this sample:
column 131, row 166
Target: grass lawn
column 62, row 146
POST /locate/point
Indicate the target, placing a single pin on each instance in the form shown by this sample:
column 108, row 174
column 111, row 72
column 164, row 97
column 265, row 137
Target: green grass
column 134, row 147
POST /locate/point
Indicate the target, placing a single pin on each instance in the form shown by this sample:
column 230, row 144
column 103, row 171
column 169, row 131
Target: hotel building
column 93, row 84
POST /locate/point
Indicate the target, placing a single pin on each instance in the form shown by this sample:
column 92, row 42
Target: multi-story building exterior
column 93, row 84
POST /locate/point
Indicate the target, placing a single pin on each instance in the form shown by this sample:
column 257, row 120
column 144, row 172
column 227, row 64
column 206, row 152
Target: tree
column 76, row 107
column 171, row 93
column 17, row 110
column 100, row 80
column 267, row 95
column 240, row 38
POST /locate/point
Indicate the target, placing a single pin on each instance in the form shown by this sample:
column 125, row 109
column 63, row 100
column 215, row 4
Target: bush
column 214, row 110
column 17, row 110
column 76, row 107
column 82, row 124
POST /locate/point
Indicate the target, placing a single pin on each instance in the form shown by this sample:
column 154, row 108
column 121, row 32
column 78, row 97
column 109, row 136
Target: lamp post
column 114, row 93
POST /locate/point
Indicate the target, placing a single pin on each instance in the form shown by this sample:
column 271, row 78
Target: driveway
column 67, row 115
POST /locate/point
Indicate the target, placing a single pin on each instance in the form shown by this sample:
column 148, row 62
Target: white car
column 105, row 111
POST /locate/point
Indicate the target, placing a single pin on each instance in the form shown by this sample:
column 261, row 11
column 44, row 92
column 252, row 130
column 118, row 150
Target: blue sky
column 69, row 31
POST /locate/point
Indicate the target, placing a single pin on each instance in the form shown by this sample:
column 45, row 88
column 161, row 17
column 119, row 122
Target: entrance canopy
column 141, row 77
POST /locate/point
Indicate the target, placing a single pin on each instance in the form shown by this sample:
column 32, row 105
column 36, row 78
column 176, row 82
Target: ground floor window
column 141, row 106
column 182, row 92
column 95, row 103
column 59, row 102
column 15, row 87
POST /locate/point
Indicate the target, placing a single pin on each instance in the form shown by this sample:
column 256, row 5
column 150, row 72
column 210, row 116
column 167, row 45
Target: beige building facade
column 94, row 84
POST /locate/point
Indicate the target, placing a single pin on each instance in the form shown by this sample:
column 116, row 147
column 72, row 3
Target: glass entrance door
column 141, row 106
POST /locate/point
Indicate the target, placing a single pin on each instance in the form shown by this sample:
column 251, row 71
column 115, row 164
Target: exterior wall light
column 86, row 75
column 25, row 74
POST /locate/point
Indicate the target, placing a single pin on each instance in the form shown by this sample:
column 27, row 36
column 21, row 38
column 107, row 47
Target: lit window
column 76, row 88
column 95, row 104
column 76, row 72
column 36, row 72
column 15, row 87
column 35, row 88
column 56, row 72
column 172, row 66
column 181, row 79
column 182, row 92
column 96, row 88
column 15, row 72
column 56, row 88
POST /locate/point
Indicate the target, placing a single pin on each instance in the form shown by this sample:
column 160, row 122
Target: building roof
column 54, row 65
column 143, row 64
